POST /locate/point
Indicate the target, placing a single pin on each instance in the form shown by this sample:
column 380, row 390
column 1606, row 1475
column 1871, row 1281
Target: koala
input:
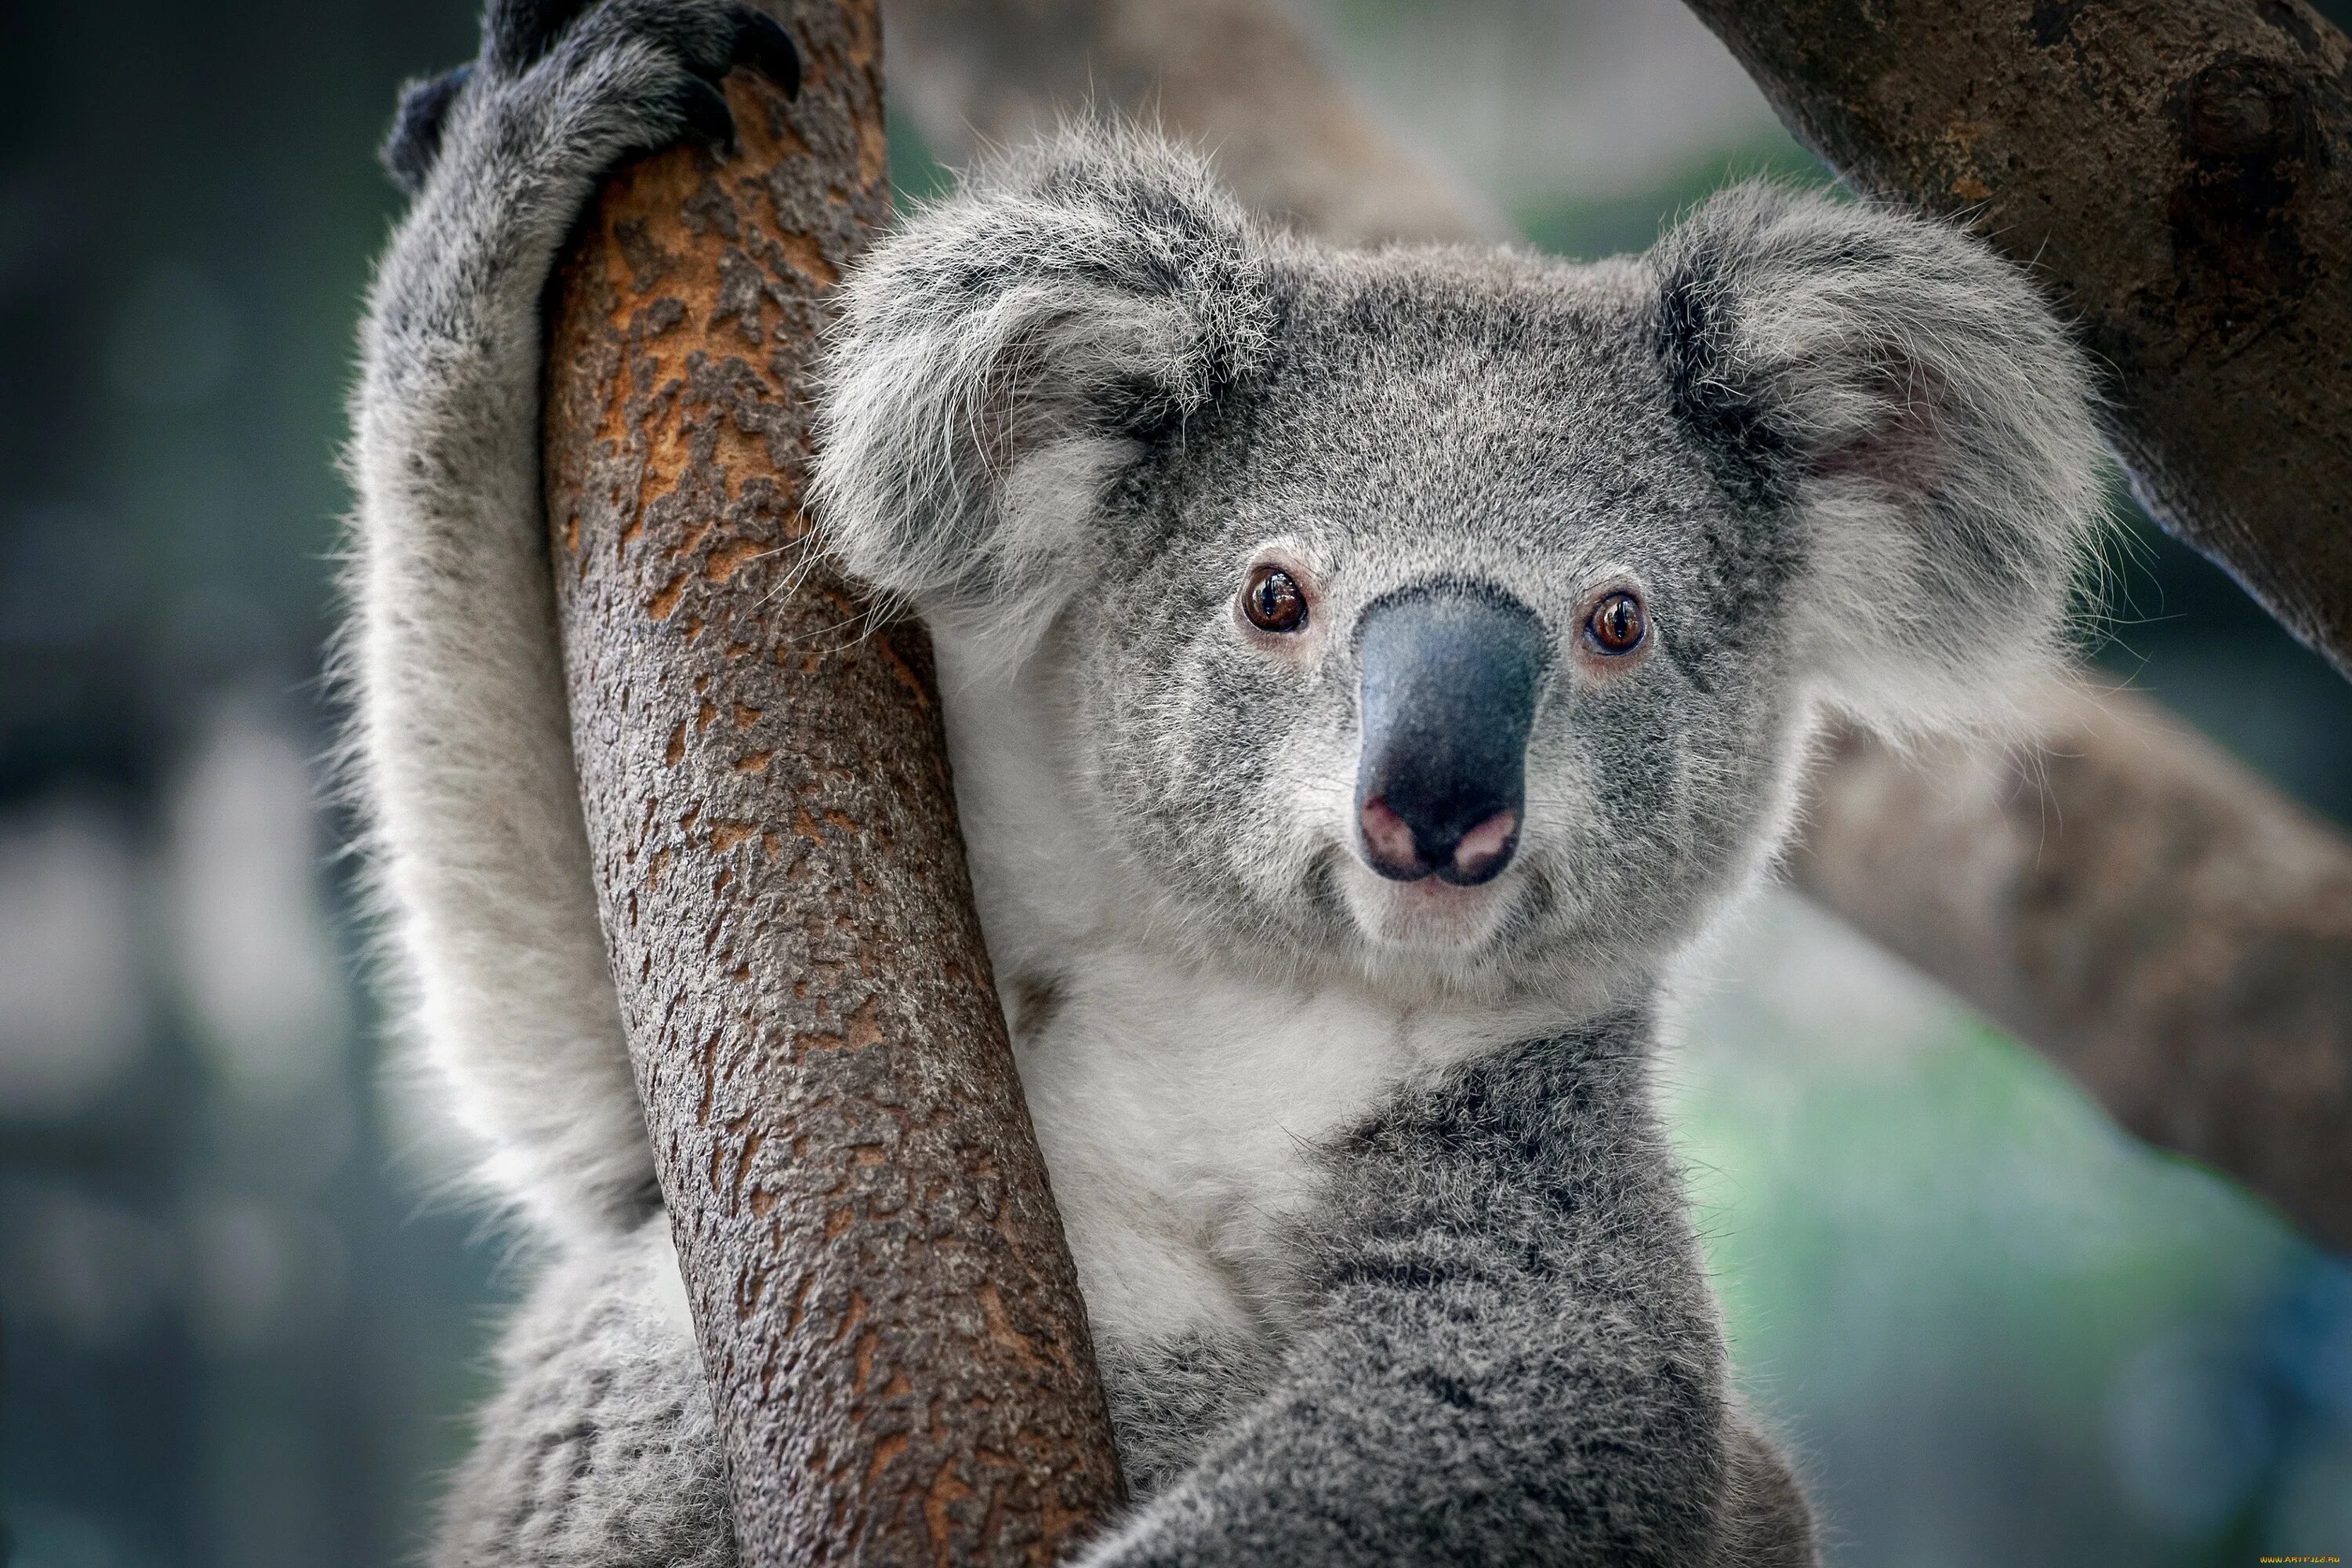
column 1367, row 674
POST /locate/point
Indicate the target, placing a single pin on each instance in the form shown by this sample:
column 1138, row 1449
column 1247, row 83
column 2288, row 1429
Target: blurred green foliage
column 1998, row 1330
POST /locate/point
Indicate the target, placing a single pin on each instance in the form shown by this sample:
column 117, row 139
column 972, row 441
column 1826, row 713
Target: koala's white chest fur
column 1177, row 1096
column 1175, row 1105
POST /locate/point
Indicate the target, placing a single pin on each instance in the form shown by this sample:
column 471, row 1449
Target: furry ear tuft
column 1006, row 353
column 1907, row 396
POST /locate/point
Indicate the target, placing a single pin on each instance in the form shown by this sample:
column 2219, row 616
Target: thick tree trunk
column 888, row 1313
column 2146, row 912
column 2181, row 171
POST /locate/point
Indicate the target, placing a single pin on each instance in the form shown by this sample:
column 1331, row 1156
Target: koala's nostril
column 1389, row 844
column 1484, row 851
column 1399, row 851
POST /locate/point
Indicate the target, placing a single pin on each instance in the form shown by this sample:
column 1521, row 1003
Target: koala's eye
column 1273, row 601
column 1617, row 624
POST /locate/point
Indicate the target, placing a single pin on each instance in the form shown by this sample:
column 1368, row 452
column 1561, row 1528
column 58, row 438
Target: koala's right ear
column 1005, row 355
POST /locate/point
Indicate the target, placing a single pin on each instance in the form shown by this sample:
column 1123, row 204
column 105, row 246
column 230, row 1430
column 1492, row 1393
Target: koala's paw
column 571, row 88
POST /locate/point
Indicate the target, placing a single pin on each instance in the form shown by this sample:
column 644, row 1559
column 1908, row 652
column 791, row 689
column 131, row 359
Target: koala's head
column 1448, row 612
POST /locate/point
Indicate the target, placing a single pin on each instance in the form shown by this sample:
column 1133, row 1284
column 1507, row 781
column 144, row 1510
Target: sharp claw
column 516, row 33
column 704, row 110
column 416, row 139
column 762, row 43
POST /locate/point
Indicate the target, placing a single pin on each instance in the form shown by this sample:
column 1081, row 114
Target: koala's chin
column 1428, row 920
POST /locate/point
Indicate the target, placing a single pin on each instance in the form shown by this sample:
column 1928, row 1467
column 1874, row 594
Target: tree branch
column 2181, row 171
column 2138, row 906
column 1240, row 77
column 2144, row 912
column 888, row 1314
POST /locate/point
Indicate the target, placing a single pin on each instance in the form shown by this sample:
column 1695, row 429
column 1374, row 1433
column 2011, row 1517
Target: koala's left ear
column 1009, row 350
column 1902, row 397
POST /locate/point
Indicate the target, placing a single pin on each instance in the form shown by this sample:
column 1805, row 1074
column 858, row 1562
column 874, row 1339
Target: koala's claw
column 517, row 34
column 704, row 109
column 414, row 140
column 762, row 43
column 522, row 40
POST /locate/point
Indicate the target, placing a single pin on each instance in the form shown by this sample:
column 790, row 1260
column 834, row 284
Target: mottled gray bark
column 889, row 1315
column 2179, row 172
column 2178, row 935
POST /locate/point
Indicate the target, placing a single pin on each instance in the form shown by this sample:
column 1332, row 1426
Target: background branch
column 887, row 1311
column 1240, row 77
column 2129, row 901
column 2140, row 907
column 2180, row 171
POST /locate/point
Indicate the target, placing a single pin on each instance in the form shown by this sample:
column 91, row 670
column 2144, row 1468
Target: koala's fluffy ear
column 1904, row 398
column 1005, row 354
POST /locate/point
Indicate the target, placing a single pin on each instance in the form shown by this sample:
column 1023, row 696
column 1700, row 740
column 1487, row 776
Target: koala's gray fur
column 599, row 1449
column 1383, row 1246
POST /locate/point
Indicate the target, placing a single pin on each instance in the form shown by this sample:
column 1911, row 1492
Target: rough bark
column 2107, row 896
column 2180, row 171
column 2178, row 935
column 888, row 1314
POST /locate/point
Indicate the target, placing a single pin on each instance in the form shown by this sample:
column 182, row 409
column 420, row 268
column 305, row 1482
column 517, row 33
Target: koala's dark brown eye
column 1273, row 601
column 1617, row 624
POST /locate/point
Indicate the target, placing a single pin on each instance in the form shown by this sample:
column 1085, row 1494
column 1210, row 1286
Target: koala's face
column 1454, row 616
column 1435, row 644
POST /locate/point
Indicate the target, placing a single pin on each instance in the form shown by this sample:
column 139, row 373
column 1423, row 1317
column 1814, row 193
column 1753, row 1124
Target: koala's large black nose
column 1450, row 676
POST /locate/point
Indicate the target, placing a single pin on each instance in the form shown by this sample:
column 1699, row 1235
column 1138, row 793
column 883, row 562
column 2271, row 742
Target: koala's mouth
column 1427, row 915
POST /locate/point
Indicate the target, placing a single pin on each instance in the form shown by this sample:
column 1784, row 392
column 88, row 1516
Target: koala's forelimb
column 1509, row 1352
column 1509, row 1357
column 464, row 749
column 603, row 1447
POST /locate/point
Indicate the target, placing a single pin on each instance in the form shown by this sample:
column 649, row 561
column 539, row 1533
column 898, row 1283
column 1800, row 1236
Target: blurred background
column 240, row 1330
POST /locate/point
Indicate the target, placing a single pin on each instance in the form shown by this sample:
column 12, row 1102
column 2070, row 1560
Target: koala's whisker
column 810, row 554
column 823, row 631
